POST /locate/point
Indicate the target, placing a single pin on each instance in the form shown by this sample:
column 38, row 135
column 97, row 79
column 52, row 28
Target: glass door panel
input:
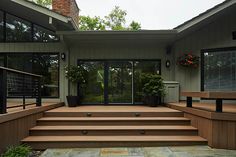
column 93, row 92
column 120, row 82
column 140, row 68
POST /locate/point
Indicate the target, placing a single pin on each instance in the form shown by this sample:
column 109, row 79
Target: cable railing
column 19, row 84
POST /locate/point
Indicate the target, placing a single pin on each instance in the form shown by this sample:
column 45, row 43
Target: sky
column 152, row 14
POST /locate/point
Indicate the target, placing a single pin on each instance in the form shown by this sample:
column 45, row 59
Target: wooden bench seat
column 218, row 96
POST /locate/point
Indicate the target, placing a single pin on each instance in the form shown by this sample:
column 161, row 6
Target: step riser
column 125, row 123
column 114, row 114
column 46, row 145
column 114, row 133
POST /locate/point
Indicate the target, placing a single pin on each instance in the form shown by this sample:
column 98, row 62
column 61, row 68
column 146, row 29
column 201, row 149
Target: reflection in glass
column 220, row 71
column 120, row 82
column 43, row 35
column 93, row 92
column 1, row 26
column 17, row 29
column 46, row 65
column 143, row 67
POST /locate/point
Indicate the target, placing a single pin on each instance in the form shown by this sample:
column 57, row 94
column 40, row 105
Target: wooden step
column 45, row 142
column 114, row 114
column 112, row 130
column 52, row 121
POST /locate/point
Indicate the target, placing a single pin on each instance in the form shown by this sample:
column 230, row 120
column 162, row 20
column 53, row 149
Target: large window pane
column 17, row 29
column 43, row 35
column 46, row 65
column 1, row 26
column 120, row 82
column 93, row 92
column 143, row 67
column 220, row 71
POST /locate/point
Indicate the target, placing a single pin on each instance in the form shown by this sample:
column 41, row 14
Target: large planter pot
column 72, row 101
column 152, row 101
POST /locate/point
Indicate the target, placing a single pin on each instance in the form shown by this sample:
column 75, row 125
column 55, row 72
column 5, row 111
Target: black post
column 3, row 91
column 24, row 92
column 38, row 97
column 219, row 105
column 189, row 102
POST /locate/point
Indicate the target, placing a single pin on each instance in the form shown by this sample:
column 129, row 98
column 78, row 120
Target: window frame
column 32, row 30
column 5, row 54
column 215, row 50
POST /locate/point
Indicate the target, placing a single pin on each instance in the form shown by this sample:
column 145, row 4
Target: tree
column 115, row 20
column 45, row 3
column 91, row 23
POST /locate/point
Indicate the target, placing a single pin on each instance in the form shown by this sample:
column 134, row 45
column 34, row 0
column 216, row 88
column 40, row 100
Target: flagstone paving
column 188, row 151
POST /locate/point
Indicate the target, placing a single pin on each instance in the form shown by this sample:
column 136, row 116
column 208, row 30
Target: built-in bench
column 218, row 96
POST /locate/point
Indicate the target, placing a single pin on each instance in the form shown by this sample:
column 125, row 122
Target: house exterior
column 42, row 41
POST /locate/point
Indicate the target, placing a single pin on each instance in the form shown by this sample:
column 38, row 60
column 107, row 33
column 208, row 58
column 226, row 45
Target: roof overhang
column 207, row 17
column 37, row 14
column 142, row 36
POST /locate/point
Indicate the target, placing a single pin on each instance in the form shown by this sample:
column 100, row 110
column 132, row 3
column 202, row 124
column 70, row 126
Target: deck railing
column 18, row 84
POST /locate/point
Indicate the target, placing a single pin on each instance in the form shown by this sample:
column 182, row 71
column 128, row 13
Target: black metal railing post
column 3, row 91
column 38, row 94
column 24, row 92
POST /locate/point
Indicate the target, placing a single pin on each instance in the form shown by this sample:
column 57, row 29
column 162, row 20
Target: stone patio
column 188, row 151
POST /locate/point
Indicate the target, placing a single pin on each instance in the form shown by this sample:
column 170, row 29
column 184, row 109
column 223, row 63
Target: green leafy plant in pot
column 77, row 76
column 153, row 89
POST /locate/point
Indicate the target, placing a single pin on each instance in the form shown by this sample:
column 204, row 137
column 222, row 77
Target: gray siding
column 123, row 51
column 215, row 35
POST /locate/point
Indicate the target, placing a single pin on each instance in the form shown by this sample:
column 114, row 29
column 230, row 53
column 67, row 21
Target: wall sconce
column 168, row 64
column 63, row 56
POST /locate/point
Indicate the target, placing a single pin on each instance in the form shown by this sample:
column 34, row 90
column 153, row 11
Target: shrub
column 17, row 151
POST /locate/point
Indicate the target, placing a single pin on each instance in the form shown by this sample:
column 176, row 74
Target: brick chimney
column 67, row 8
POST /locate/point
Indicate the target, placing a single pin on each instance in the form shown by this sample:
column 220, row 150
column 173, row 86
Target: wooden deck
column 218, row 128
column 112, row 126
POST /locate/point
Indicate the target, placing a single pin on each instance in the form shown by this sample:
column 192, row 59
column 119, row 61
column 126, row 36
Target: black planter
column 152, row 101
column 72, row 101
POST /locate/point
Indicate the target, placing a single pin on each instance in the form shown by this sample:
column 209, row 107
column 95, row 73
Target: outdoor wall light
column 63, row 56
column 168, row 63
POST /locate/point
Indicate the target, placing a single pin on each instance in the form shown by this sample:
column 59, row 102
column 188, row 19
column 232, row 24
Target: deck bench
column 218, row 96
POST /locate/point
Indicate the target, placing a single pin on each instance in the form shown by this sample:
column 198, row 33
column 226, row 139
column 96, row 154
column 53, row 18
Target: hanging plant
column 189, row 60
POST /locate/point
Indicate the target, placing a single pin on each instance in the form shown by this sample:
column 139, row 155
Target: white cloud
column 152, row 14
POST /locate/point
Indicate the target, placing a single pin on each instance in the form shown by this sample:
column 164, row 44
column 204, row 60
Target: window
column 219, row 70
column 17, row 29
column 43, row 35
column 1, row 27
column 143, row 67
column 46, row 65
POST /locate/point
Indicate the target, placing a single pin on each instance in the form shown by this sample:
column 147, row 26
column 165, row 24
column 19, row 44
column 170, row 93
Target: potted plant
column 76, row 75
column 153, row 89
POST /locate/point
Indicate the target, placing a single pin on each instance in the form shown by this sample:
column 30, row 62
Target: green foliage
column 45, row 3
column 152, row 85
column 76, row 74
column 91, row 23
column 115, row 20
column 17, row 151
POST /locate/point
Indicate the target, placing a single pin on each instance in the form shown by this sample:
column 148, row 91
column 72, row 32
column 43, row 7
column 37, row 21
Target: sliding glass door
column 115, row 81
column 120, row 82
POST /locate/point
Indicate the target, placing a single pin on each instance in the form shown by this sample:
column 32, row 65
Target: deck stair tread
column 113, row 139
column 110, row 118
column 140, row 127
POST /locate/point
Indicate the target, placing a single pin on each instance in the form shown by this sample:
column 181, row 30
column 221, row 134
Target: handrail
column 20, row 72
column 18, row 83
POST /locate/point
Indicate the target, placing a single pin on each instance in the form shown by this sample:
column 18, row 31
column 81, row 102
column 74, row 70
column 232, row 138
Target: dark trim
column 234, row 35
column 216, row 50
column 106, row 75
column 32, row 30
column 5, row 55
